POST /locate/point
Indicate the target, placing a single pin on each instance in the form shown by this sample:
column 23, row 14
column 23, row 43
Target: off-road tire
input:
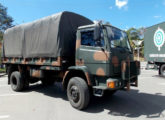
column 162, row 70
column 16, row 81
column 82, row 91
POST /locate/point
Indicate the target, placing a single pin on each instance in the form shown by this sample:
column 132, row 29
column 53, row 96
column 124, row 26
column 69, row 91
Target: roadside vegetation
column 135, row 34
column 6, row 21
column 2, row 70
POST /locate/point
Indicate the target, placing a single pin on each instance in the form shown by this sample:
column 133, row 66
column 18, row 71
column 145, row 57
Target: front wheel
column 78, row 93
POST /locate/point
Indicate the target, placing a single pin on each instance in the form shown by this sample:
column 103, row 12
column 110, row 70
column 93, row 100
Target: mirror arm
column 102, row 49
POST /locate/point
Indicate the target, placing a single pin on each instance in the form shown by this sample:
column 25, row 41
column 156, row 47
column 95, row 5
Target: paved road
column 40, row 103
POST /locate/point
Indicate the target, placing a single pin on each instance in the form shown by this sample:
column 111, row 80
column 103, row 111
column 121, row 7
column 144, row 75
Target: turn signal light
column 111, row 84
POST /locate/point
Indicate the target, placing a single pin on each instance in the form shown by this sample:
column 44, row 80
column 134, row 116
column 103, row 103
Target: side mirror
column 97, row 32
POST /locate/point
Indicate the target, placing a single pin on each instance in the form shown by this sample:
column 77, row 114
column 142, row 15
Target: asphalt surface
column 147, row 101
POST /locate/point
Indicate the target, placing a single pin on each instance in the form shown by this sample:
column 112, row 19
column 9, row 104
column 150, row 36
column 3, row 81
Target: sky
column 123, row 14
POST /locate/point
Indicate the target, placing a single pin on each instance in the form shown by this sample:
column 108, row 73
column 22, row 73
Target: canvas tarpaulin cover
column 51, row 36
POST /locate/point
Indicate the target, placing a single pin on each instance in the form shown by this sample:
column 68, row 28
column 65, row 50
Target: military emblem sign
column 159, row 38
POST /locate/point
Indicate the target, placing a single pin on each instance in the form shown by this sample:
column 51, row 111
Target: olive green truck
column 154, row 48
column 87, row 58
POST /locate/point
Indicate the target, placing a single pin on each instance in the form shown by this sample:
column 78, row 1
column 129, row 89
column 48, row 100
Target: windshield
column 118, row 38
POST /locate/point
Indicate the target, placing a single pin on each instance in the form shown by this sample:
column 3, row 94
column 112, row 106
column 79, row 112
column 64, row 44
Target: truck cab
column 105, row 54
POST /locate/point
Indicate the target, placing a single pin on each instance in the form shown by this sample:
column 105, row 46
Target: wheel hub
column 74, row 93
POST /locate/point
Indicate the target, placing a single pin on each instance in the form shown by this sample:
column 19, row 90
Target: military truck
column 154, row 48
column 88, row 58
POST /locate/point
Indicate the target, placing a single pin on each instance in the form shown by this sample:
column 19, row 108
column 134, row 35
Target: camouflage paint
column 101, row 62
column 24, row 61
column 47, row 68
column 88, row 78
column 57, row 63
column 101, row 56
column 123, row 66
column 36, row 73
column 84, row 69
column 64, row 77
column 41, row 61
column 78, row 42
column 100, row 72
column 94, row 58
column 80, row 62
column 34, row 61
column 106, row 63
column 115, row 61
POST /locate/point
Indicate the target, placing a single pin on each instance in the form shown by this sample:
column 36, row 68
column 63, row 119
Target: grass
column 2, row 70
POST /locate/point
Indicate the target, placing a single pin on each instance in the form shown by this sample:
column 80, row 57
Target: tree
column 5, row 22
column 132, row 35
column 5, row 19
column 141, row 31
column 136, row 34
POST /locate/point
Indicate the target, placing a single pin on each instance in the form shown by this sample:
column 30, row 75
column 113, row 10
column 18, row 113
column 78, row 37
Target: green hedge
column 2, row 70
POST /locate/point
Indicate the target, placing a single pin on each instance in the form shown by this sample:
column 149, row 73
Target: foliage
column 5, row 19
column 136, row 34
column 2, row 70
column 5, row 22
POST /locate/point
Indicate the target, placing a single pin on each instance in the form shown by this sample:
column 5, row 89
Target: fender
column 84, row 69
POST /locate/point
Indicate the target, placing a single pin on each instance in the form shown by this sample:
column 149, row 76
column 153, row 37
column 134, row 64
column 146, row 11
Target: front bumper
column 128, row 77
column 113, row 84
column 118, row 83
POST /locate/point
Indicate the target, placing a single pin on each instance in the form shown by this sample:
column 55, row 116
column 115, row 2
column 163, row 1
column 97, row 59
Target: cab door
column 92, row 53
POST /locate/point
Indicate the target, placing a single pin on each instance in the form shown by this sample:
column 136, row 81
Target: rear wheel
column 16, row 81
column 78, row 93
column 162, row 70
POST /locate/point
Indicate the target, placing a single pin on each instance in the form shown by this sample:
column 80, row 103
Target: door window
column 87, row 39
